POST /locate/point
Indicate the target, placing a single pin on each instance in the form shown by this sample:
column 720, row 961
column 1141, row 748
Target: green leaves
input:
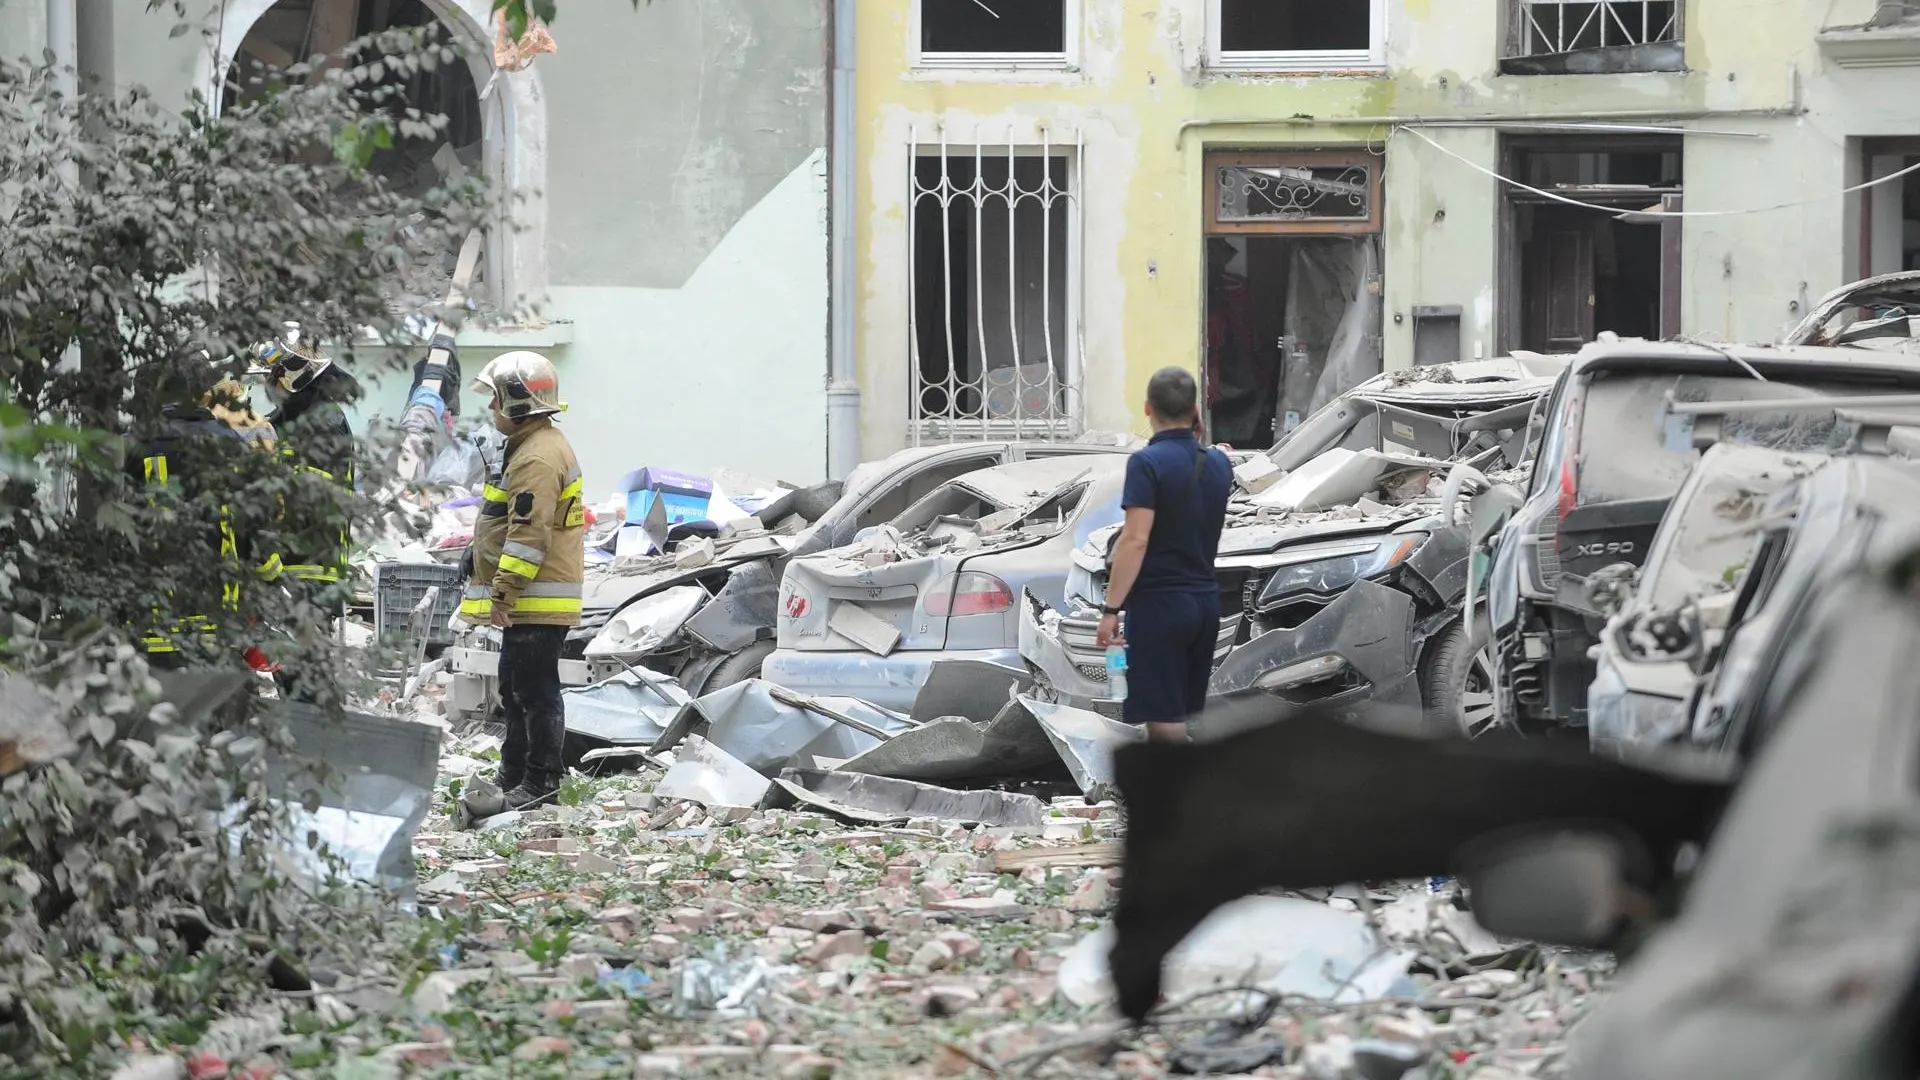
column 356, row 142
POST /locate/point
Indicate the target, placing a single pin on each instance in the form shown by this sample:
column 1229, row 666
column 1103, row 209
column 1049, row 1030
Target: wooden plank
column 1081, row 855
column 329, row 29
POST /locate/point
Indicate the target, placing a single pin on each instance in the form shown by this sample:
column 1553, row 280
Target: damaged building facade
column 667, row 170
column 1058, row 197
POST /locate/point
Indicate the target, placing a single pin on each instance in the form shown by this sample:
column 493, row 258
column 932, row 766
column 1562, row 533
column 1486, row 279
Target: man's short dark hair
column 1172, row 394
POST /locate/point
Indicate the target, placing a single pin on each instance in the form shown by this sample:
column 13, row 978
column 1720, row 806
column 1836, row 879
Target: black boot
column 528, row 795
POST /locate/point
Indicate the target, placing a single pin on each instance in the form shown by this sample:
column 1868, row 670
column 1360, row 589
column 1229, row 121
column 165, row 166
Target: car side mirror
column 1562, row 887
column 864, row 533
column 1488, row 511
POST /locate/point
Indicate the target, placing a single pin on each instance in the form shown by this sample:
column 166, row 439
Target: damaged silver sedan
column 940, row 581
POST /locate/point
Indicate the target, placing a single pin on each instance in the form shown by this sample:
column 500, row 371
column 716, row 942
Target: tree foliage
column 161, row 244
column 520, row 13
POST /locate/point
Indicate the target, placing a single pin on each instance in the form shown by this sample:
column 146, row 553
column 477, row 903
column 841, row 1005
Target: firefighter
column 187, row 451
column 527, row 566
column 310, row 395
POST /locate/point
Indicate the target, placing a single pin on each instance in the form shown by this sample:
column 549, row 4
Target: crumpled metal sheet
column 384, row 770
column 1084, row 740
column 975, row 689
column 881, row 800
column 708, row 775
column 747, row 722
column 625, row 710
column 954, row 748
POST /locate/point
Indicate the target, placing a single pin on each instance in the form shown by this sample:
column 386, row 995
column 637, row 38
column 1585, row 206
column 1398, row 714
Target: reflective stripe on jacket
column 528, row 544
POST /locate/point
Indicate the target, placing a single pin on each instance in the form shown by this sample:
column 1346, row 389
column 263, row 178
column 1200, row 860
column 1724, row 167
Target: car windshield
column 1631, row 447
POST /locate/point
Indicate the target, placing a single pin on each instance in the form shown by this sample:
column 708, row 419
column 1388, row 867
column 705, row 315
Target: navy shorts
column 1170, row 639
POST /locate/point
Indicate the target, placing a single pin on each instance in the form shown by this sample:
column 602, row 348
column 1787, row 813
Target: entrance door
column 1561, row 295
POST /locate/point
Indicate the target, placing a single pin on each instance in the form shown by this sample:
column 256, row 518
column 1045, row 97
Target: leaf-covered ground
column 602, row 938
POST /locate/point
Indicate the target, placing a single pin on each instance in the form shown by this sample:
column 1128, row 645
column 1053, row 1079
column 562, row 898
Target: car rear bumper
column 891, row 682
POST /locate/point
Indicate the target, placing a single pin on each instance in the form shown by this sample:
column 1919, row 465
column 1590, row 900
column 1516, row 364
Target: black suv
column 1621, row 431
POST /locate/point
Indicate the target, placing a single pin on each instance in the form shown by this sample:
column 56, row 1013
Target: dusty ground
column 595, row 939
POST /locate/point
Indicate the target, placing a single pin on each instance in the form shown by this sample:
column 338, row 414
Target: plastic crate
column 398, row 589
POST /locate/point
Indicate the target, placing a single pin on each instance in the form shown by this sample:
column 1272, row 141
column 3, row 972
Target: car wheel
column 739, row 667
column 1456, row 689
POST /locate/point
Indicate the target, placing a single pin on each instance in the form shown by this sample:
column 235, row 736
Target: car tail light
column 1569, row 490
column 969, row 593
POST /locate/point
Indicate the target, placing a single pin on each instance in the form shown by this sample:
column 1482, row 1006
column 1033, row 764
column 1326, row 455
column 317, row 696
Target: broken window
column 292, row 32
column 1584, row 37
column 995, row 31
column 1890, row 212
column 1293, row 288
column 1569, row 272
column 990, row 318
column 1297, row 34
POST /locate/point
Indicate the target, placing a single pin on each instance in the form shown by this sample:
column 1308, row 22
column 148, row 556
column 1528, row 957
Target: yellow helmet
column 524, row 383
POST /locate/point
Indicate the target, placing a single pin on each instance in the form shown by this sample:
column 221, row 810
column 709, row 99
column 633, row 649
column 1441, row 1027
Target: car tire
column 739, row 667
column 1456, row 690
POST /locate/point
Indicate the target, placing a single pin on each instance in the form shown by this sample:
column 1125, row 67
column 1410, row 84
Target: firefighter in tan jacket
column 528, row 561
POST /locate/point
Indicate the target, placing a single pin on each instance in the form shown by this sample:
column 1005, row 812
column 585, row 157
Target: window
column 1587, row 37
column 995, row 33
column 920, row 485
column 1306, row 192
column 991, row 322
column 1297, row 35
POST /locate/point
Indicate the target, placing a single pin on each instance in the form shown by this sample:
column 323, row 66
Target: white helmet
column 524, row 383
column 293, row 362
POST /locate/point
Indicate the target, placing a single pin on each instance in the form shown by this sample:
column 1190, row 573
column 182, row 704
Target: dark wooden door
column 1560, row 286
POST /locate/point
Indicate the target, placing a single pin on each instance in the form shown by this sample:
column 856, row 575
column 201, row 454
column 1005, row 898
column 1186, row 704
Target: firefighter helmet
column 293, row 361
column 524, row 383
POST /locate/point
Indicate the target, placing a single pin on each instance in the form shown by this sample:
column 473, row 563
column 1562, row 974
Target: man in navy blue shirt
column 1162, row 572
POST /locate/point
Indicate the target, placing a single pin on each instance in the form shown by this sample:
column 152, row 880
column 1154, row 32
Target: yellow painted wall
column 1146, row 109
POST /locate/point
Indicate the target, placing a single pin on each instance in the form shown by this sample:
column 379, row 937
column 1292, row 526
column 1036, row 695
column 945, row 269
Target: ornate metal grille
column 1560, row 26
column 1249, row 193
column 993, row 322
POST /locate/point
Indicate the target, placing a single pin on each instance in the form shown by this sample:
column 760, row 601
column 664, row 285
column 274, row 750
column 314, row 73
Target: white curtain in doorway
column 1332, row 324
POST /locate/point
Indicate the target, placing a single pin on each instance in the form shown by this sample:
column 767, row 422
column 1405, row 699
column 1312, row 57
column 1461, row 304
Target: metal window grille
column 993, row 323
column 1560, row 26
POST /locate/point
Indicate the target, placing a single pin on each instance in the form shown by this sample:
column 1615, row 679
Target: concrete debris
column 1265, row 943
column 707, row 774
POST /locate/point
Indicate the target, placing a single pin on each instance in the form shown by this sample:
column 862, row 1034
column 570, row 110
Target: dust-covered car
column 1622, row 432
column 710, row 623
column 940, row 581
column 1669, row 615
column 1338, row 580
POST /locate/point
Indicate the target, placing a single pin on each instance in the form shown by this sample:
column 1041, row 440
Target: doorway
column 1570, row 272
column 1292, row 304
column 1890, row 212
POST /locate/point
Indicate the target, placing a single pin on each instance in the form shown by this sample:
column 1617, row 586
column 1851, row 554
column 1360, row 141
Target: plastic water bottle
column 1116, row 673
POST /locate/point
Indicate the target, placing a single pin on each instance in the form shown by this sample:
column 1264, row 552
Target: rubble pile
column 622, row 933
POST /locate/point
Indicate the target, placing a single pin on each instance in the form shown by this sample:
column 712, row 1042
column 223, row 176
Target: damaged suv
column 1623, row 431
column 1339, row 582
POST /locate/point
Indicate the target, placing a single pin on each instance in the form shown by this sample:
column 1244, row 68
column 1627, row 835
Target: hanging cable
column 1511, row 182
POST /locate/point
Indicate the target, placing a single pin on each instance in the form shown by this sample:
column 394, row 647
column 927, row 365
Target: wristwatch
column 1108, row 610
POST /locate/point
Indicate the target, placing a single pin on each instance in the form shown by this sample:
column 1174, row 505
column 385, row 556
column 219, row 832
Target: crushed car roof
column 1010, row 485
column 1886, row 290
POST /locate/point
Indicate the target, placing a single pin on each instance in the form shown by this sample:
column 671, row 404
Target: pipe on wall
column 843, row 388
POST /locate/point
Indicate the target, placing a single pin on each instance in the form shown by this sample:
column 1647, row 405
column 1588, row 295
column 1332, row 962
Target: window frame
column 1516, row 38
column 1372, row 58
column 1067, row 58
column 1215, row 160
column 927, row 429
